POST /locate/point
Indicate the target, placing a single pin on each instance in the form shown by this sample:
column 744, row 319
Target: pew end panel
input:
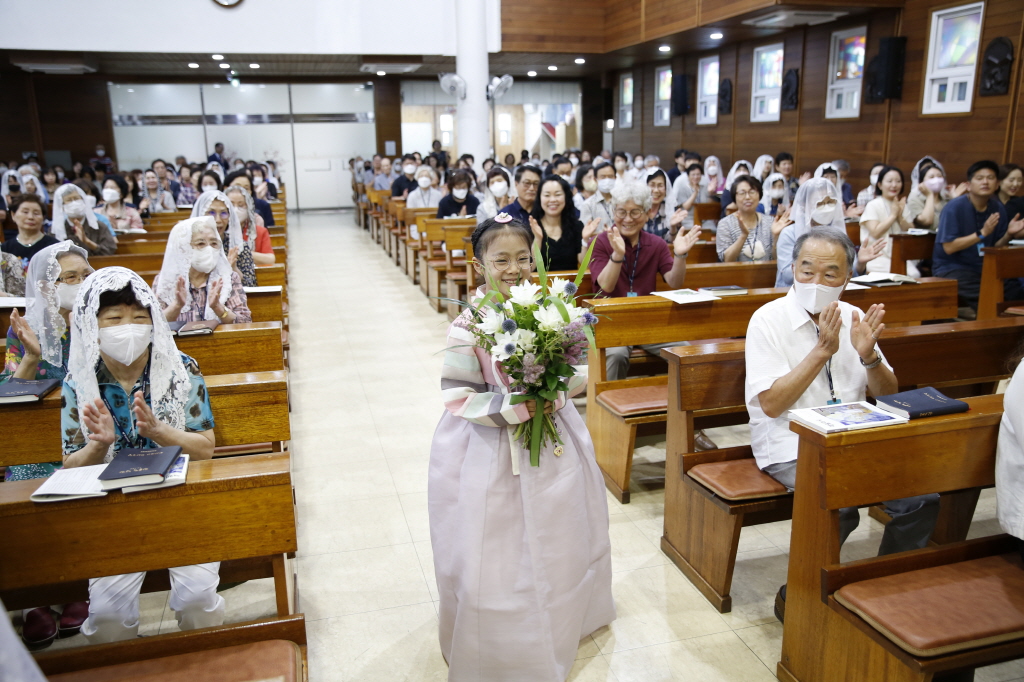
column 998, row 264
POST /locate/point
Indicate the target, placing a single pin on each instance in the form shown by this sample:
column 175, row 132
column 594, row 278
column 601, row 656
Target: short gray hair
column 831, row 236
column 638, row 193
column 841, row 165
column 651, row 157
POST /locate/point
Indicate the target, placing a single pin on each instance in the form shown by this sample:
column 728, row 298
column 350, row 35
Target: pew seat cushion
column 271, row 660
column 944, row 609
column 737, row 479
column 636, row 400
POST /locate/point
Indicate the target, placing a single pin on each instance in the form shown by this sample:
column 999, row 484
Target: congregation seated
column 690, row 189
column 749, row 235
column 561, row 237
column 128, row 386
column 775, row 199
column 241, row 178
column 404, row 184
column 196, row 282
column 382, row 180
column 1011, row 179
column 29, row 214
column 229, row 229
column 74, row 220
column 599, row 204
column 739, row 168
column 264, row 189
column 585, row 184
column 261, row 246
column 425, row 195
column 808, row 349
column 459, row 201
column 209, row 181
column 167, row 181
column 51, row 182
column 928, row 194
column 116, row 196
column 969, row 223
column 155, row 199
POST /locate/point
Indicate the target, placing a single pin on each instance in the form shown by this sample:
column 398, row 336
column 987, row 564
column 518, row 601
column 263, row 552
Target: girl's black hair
column 486, row 231
column 581, row 172
column 214, row 177
column 881, row 176
column 568, row 216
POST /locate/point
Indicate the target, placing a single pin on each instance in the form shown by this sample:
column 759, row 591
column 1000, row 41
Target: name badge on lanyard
column 631, row 294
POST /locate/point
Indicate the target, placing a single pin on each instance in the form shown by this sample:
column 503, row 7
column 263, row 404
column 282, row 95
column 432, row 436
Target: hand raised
column 830, row 321
column 872, row 251
column 590, row 229
column 181, row 292
column 864, row 332
column 28, row 338
column 146, row 422
column 685, row 240
column 780, row 223
column 1016, row 225
column 678, row 218
column 617, row 242
column 97, row 419
column 538, row 232
column 990, row 224
column 958, row 190
column 214, row 296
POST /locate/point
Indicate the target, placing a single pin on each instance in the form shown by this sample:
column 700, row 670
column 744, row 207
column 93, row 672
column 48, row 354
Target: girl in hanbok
column 521, row 553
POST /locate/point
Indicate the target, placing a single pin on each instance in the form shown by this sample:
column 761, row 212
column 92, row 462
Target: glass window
column 707, row 89
column 626, row 100
column 663, row 96
column 952, row 59
column 846, row 75
column 766, row 89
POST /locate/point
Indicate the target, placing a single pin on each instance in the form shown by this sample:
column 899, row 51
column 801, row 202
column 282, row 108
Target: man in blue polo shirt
column 969, row 223
column 527, row 184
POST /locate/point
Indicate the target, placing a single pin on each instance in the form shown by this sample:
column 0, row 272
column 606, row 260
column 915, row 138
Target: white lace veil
column 669, row 202
column 766, row 200
column 828, row 165
column 42, row 309
column 250, row 205
column 178, row 260
column 4, row 189
column 169, row 381
column 807, row 197
column 734, row 173
column 916, row 179
column 704, row 180
column 216, row 168
column 763, row 161
column 234, row 231
column 59, row 221
column 28, row 173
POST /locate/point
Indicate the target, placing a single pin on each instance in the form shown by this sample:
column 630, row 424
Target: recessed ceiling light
column 216, row 86
column 218, row 57
column 254, row 66
column 131, row 90
column 193, row 65
column 581, row 60
column 716, row 36
column 664, row 48
column 262, row 85
column 225, row 66
column 382, row 73
column 552, row 68
column 531, row 74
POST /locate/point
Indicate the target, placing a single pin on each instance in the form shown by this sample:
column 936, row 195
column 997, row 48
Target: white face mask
column 60, row 175
column 776, row 193
column 110, row 195
column 209, row 188
column 257, row 181
column 126, row 342
column 423, row 181
column 606, row 185
column 815, row 297
column 409, row 168
column 567, row 178
column 242, row 213
column 590, row 184
column 620, row 164
column 638, row 162
column 460, row 193
column 499, row 189
column 824, row 215
column 711, row 170
column 90, row 201
column 66, row 294
column 935, row 184
column 574, row 161
column 75, row 209
column 204, row 259
column 873, row 179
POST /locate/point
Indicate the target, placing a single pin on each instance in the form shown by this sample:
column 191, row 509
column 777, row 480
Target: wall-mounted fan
column 453, row 84
column 499, row 86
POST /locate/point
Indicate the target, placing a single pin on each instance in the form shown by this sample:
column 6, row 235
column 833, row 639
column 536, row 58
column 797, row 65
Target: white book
column 844, row 417
column 883, row 277
column 176, row 476
column 918, row 232
column 71, row 484
column 686, row 296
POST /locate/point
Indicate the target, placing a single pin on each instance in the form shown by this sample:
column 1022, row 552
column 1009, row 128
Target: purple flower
column 532, row 371
column 589, row 318
column 509, row 326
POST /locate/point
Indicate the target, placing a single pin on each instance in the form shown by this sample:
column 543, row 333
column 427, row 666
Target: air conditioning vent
column 390, row 63
column 791, row 18
column 59, row 63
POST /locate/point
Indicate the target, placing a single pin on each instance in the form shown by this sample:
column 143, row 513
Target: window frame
column 845, row 87
column 952, row 76
column 662, row 105
column 620, row 121
column 711, row 101
column 768, row 94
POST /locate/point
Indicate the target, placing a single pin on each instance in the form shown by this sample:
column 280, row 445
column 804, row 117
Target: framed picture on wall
column 707, row 91
column 846, row 72
column 766, row 83
column 952, row 59
column 626, row 100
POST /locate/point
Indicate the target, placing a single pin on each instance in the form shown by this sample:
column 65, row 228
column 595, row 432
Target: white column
column 473, row 114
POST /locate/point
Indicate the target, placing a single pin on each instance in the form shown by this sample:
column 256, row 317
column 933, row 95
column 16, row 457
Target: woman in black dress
column 562, row 237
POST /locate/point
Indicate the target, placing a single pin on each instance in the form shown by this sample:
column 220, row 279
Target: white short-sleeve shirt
column 1010, row 459
column 780, row 335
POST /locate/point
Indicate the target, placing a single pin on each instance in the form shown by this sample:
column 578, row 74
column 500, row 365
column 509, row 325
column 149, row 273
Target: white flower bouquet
column 536, row 334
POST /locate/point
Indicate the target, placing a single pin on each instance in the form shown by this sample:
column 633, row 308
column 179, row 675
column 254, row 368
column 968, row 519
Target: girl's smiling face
column 506, row 262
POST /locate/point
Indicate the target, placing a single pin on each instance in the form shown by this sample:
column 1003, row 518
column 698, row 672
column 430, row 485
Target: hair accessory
column 503, row 218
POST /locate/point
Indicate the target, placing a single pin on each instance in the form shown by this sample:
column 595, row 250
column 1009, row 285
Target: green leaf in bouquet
column 551, row 381
column 542, row 272
column 560, row 305
column 493, row 288
column 548, row 395
column 585, row 265
column 564, row 370
column 589, row 331
column 519, row 398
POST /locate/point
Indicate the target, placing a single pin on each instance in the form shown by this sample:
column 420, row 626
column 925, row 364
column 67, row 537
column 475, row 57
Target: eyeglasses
column 635, row 214
column 529, row 184
column 74, row 277
column 520, row 263
column 746, row 193
column 223, row 215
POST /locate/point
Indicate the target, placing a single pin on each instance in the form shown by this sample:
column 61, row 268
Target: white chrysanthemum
column 504, row 346
column 549, row 318
column 557, row 286
column 525, row 294
column 526, row 339
column 491, row 324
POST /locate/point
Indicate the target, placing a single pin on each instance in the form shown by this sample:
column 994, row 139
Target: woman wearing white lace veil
column 32, row 184
column 216, row 168
column 929, row 194
column 254, row 232
column 219, row 207
column 776, row 199
column 74, row 220
column 128, row 386
column 713, row 178
column 763, row 167
column 499, row 191
column 11, row 185
column 741, row 167
column 195, row 282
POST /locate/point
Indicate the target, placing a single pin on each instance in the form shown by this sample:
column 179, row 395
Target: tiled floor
column 365, row 400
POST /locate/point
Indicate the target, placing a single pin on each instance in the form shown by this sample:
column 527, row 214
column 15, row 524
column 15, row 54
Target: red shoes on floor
column 42, row 625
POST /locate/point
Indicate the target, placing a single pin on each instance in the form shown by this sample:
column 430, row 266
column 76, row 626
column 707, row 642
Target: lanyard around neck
column 636, row 259
column 828, row 374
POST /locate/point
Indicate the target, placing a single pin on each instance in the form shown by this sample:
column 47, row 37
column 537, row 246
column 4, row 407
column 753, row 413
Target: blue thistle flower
column 510, row 348
column 571, row 289
column 509, row 326
column 589, row 318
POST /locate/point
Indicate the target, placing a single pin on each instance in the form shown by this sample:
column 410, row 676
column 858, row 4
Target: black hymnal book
column 726, row 290
column 134, row 466
column 194, row 328
column 26, row 390
column 921, row 402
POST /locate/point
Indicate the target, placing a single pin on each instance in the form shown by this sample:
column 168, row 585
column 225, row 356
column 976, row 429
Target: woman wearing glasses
column 747, row 235
column 218, row 206
column 155, row 199
column 627, row 259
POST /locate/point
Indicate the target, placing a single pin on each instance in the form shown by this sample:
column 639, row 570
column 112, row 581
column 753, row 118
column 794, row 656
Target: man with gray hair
column 809, row 349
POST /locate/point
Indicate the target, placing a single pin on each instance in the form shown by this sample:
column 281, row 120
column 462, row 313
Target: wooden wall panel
column 711, row 11
column 1015, row 143
column 592, row 106
column 660, row 140
column 74, row 114
column 715, row 139
column 956, row 140
column 15, row 120
column 552, row 26
column 665, row 17
column 623, row 25
column 387, row 117
column 630, row 139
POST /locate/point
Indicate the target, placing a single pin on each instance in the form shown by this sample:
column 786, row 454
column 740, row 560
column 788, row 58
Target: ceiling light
column 254, row 66
column 581, row 60
column 382, row 73
column 225, row 66
column 262, row 85
column 531, row 74
column 552, row 68
column 664, row 48
column 218, row 57
column 716, row 36
column 193, row 65
column 131, row 90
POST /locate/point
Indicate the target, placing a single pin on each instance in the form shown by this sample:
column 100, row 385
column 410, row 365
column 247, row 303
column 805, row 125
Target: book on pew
column 1015, row 310
column 727, row 290
column 686, row 296
column 71, row 484
column 198, row 328
column 921, row 402
column 918, row 232
column 135, row 466
column 844, row 417
column 883, row 279
column 176, row 476
column 26, row 390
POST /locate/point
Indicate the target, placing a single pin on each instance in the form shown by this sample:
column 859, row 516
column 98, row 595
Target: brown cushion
column 273, row 660
column 457, row 275
column 737, row 479
column 637, row 400
column 944, row 609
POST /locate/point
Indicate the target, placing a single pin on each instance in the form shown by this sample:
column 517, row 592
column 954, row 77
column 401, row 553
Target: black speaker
column 607, row 103
column 883, row 78
column 680, row 95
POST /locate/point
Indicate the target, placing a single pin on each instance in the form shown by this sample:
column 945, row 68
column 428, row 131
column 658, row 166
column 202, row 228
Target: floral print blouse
column 12, row 275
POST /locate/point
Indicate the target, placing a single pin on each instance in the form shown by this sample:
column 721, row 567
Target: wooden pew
column 457, row 278
column 646, row 320
column 265, row 303
column 853, row 231
column 706, row 507
column 998, row 264
column 247, row 408
column 747, row 275
column 433, row 270
column 234, row 348
column 410, row 246
column 823, row 640
column 395, row 210
column 910, row 247
column 238, row 509
column 711, row 210
column 703, row 252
